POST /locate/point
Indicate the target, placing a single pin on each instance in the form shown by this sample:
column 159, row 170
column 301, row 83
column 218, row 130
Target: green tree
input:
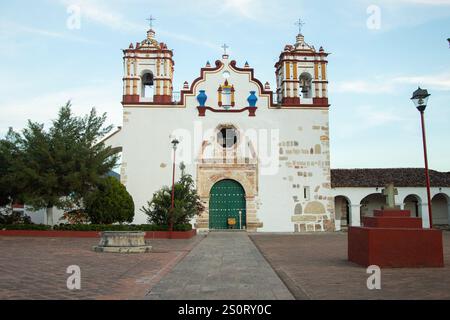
column 110, row 203
column 66, row 162
column 11, row 166
column 187, row 203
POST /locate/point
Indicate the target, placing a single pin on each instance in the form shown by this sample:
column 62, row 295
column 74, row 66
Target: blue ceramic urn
column 201, row 98
column 252, row 99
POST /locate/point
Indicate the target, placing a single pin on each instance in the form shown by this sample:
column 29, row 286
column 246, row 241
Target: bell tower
column 148, row 72
column 301, row 73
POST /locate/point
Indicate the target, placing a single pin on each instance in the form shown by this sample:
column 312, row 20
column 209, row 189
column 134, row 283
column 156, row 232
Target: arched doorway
column 440, row 209
column 370, row 203
column 342, row 212
column 227, row 200
column 412, row 203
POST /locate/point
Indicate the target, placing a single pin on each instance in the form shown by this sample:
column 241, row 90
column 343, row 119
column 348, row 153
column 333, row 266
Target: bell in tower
column 302, row 75
column 148, row 72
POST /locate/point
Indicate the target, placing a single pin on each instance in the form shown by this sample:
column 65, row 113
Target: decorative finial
column 246, row 64
column 300, row 24
column 267, row 86
column 186, row 85
column 208, row 64
column 150, row 20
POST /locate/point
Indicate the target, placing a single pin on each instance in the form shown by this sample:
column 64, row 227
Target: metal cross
column 300, row 24
column 225, row 47
column 150, row 20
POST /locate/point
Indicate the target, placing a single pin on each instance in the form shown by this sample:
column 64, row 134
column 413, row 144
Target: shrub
column 119, row 227
column 14, row 217
column 76, row 216
column 39, row 227
column 110, row 203
column 187, row 204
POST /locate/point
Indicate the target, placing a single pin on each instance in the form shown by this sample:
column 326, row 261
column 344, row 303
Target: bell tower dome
column 301, row 73
column 148, row 72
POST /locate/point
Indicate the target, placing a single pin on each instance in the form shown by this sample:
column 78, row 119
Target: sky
column 52, row 51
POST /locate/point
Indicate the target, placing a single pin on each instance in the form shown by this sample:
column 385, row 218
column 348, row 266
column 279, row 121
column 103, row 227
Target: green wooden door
column 227, row 198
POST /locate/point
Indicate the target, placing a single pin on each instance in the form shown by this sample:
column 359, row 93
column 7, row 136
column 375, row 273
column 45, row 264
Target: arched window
column 147, row 86
column 306, row 85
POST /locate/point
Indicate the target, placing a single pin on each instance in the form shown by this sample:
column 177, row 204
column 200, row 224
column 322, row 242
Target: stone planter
column 122, row 242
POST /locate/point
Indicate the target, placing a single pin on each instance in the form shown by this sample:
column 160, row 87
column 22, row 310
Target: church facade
column 258, row 157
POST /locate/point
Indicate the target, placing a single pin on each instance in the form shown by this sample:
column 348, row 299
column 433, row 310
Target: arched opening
column 412, row 203
column 147, row 90
column 370, row 203
column 306, row 85
column 439, row 205
column 226, row 203
column 342, row 212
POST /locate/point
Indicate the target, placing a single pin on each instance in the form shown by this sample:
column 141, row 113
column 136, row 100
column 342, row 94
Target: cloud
column 391, row 84
column 244, row 8
column 425, row 2
column 436, row 82
column 362, row 86
column 45, row 107
column 103, row 14
column 98, row 12
column 9, row 29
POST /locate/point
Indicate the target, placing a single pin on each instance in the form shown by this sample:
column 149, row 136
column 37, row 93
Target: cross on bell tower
column 150, row 20
column 300, row 24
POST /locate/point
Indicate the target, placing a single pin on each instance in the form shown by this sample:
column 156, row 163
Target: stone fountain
column 122, row 242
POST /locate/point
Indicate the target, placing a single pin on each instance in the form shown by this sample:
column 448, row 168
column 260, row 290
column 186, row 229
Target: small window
column 227, row 137
column 306, row 193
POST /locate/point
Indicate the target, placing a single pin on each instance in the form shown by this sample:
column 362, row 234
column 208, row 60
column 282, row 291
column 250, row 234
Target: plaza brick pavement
column 315, row 267
column 35, row 268
column 224, row 266
column 311, row 266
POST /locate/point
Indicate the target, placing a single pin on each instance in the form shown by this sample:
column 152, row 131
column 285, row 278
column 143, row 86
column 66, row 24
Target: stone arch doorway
column 342, row 212
column 227, row 201
column 370, row 203
column 440, row 206
column 413, row 203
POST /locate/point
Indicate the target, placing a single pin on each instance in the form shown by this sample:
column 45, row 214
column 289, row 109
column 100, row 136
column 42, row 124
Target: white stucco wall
column 146, row 154
column 440, row 208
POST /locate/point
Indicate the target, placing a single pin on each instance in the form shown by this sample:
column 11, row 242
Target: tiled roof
column 401, row 177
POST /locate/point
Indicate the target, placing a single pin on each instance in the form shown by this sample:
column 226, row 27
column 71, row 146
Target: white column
column 425, row 216
column 355, row 215
column 337, row 225
column 448, row 213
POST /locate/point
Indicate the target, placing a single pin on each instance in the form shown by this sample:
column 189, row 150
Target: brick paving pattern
column 314, row 266
column 35, row 268
column 224, row 266
column 227, row 266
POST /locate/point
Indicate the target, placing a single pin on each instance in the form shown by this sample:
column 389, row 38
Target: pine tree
column 66, row 163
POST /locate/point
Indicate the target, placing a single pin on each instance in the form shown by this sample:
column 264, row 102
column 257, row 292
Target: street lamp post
column 175, row 143
column 420, row 99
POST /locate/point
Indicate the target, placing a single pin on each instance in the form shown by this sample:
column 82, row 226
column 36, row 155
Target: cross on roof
column 225, row 47
column 150, row 20
column 300, row 24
